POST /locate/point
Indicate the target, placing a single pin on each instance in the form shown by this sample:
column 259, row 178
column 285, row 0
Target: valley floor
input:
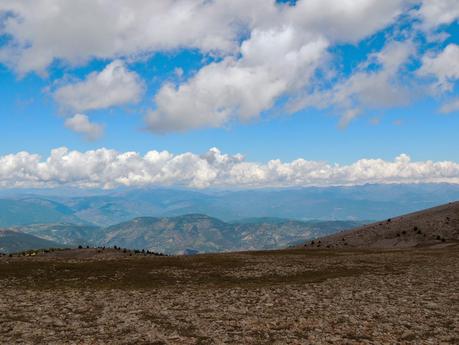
column 275, row 297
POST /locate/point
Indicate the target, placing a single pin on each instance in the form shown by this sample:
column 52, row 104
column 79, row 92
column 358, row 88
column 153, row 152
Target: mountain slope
column 429, row 227
column 16, row 241
column 172, row 235
column 68, row 234
column 34, row 210
column 207, row 234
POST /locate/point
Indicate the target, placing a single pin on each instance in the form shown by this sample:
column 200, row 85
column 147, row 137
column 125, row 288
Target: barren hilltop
column 437, row 227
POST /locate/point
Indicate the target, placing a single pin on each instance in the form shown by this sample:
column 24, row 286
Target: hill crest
column 430, row 227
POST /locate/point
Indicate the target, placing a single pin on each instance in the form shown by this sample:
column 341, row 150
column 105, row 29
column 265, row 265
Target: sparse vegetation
column 238, row 298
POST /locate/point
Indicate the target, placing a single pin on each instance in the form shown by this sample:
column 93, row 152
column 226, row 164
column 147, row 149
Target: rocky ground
column 297, row 296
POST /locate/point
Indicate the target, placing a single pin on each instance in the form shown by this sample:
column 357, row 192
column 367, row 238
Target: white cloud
column 437, row 12
column 105, row 168
column 80, row 123
column 285, row 46
column 374, row 84
column 76, row 31
column 450, row 107
column 113, row 86
column 277, row 60
column 444, row 67
column 272, row 63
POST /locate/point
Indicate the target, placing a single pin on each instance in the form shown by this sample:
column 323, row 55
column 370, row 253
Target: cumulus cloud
column 443, row 67
column 80, row 123
column 104, row 168
column 438, row 12
column 264, row 51
column 284, row 47
column 44, row 30
column 114, row 85
column 374, row 84
column 277, row 60
column 272, row 62
column 76, row 31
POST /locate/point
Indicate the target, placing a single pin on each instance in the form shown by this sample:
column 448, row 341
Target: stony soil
column 279, row 297
column 437, row 226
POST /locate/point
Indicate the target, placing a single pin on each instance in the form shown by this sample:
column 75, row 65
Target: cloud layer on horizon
column 104, row 168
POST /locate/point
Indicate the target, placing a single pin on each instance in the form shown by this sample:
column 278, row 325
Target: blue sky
column 298, row 81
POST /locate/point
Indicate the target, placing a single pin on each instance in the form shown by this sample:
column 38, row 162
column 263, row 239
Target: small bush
column 80, row 247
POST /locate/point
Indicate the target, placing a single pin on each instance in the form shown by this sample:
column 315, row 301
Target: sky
column 228, row 93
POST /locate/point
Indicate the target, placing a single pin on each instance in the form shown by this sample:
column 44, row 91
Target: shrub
column 80, row 247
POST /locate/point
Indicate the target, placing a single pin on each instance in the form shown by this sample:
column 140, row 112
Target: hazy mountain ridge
column 15, row 241
column 325, row 203
column 66, row 234
column 194, row 232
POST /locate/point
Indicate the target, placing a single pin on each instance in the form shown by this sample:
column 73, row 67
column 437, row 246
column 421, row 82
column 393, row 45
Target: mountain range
column 105, row 208
column 183, row 234
column 176, row 221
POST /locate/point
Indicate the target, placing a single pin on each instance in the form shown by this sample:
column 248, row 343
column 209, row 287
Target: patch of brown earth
column 279, row 297
column 435, row 227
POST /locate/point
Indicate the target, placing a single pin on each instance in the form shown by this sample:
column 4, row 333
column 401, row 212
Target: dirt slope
column 438, row 226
